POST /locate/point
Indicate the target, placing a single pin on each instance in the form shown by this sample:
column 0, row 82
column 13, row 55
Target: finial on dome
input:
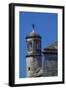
column 33, row 27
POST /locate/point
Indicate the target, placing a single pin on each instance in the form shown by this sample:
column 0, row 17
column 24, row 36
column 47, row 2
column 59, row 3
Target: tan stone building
column 34, row 65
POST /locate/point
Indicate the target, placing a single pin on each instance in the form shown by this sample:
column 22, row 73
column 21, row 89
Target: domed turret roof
column 33, row 34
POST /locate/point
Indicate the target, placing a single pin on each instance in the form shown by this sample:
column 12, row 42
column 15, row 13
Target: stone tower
column 33, row 54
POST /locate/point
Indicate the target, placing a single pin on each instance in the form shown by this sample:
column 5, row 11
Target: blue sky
column 45, row 25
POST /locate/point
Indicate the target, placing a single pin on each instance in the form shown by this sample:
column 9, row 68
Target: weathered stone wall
column 50, row 67
column 33, row 66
